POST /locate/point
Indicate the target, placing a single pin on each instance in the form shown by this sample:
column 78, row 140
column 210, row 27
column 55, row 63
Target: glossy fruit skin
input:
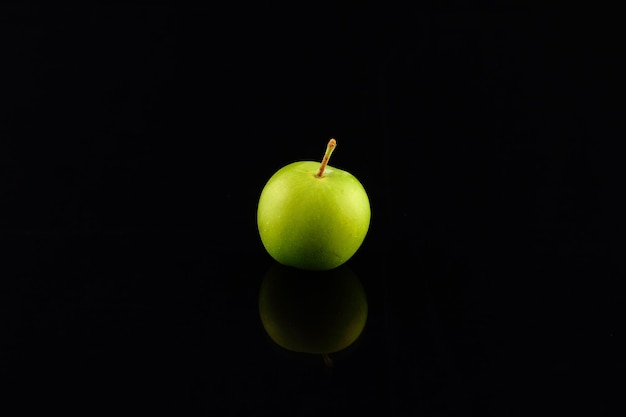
column 309, row 222
column 312, row 312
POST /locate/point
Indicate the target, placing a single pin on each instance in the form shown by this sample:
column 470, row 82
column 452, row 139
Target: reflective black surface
column 136, row 141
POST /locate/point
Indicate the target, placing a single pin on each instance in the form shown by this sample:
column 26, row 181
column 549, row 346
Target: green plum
column 313, row 216
column 312, row 312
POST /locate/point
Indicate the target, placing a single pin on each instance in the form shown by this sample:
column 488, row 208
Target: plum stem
column 329, row 150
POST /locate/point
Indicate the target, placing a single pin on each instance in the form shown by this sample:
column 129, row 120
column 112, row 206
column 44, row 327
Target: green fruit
column 312, row 312
column 313, row 216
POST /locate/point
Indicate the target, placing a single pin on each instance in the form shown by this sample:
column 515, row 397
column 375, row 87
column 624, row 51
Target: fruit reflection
column 312, row 311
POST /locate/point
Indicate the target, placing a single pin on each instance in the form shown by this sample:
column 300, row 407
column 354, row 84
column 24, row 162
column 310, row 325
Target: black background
column 135, row 141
